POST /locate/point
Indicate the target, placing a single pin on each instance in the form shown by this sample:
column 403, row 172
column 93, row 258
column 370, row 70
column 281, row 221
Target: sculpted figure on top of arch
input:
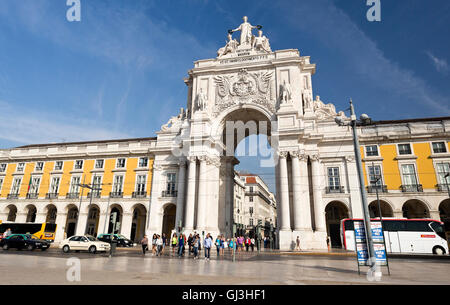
column 174, row 120
column 324, row 111
column 247, row 40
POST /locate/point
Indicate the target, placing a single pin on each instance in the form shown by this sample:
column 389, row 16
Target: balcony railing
column 169, row 194
column 72, row 195
column 116, row 194
column 412, row 188
column 141, row 194
column 51, row 196
column 94, row 194
column 32, row 195
column 13, row 196
column 334, row 189
column 442, row 187
column 374, row 188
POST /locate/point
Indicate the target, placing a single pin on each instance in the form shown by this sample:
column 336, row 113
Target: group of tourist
column 194, row 244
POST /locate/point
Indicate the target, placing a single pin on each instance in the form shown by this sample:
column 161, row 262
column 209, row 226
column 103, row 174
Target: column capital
column 314, row 157
column 349, row 158
column 192, row 158
column 182, row 162
column 283, row 154
column 213, row 161
column 202, row 158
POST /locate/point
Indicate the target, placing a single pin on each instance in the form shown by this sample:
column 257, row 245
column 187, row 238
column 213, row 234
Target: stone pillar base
column 309, row 240
column 285, row 240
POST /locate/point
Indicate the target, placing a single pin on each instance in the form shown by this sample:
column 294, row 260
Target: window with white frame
column 59, row 165
column 171, row 181
column 404, row 149
column 118, row 184
column 443, row 169
column 334, row 181
column 409, row 174
column 99, row 163
column 34, row 187
column 54, row 186
column 375, row 177
column 250, row 198
column 143, row 162
column 75, row 185
column 140, row 183
column 16, row 186
column 1, row 183
column 372, row 151
column 39, row 166
column 3, row 167
column 439, row 147
column 20, row 167
column 120, row 163
column 251, row 221
column 96, row 184
column 79, row 164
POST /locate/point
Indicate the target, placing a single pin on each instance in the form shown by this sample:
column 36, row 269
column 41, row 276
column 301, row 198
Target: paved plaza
column 130, row 267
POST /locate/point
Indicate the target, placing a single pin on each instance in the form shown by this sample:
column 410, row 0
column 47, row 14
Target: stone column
column 202, row 195
column 180, row 194
column 229, row 187
column 190, row 196
column 81, row 223
column 60, row 221
column 101, row 228
column 284, row 187
column 127, row 220
column 21, row 217
column 302, row 210
column 40, row 217
column 319, row 209
column 154, row 213
column 212, row 206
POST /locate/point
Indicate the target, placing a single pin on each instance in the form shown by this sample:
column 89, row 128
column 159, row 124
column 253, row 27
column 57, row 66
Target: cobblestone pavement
column 131, row 267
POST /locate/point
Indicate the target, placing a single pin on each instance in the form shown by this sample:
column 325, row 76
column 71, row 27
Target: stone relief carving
column 174, row 120
column 323, row 111
column 243, row 88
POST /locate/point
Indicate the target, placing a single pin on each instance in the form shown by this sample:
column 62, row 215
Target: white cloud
column 441, row 65
column 31, row 127
column 334, row 28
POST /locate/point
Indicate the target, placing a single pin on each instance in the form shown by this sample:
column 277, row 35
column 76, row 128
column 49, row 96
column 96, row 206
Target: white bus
column 403, row 235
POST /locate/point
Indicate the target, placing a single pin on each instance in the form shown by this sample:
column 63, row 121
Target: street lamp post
column 446, row 183
column 364, row 120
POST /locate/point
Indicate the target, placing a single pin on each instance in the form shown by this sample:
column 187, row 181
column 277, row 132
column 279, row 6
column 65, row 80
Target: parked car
column 121, row 240
column 24, row 241
column 84, row 243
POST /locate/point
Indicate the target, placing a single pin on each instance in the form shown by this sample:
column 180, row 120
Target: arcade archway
column 335, row 211
column 415, row 208
column 386, row 209
column 169, row 219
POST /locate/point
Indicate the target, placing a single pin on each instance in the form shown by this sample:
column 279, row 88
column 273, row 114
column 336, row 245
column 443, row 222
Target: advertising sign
column 361, row 243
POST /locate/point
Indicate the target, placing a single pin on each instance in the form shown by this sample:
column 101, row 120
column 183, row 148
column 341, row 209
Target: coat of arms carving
column 244, row 88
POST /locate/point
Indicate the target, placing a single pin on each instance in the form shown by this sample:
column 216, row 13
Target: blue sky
column 119, row 72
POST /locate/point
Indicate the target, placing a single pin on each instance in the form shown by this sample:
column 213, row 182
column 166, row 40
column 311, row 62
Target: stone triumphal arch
column 246, row 89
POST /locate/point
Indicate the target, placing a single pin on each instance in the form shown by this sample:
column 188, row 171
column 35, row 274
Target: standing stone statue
column 201, row 100
column 246, row 32
column 285, row 93
column 230, row 46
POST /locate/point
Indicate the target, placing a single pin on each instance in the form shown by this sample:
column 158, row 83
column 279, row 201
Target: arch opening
column 335, row 211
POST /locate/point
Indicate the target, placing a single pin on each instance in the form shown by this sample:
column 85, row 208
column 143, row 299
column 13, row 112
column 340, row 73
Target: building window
column 1, row 183
column 443, row 169
column 99, row 163
column 39, row 166
column 409, row 178
column 3, row 167
column 96, row 185
column 439, row 147
column 251, row 189
column 375, row 175
column 371, row 151
column 334, row 182
column 140, row 183
column 16, row 186
column 143, row 162
column 120, row 163
column 54, row 186
column 250, row 198
column 34, row 187
column 79, row 164
column 251, row 210
column 251, row 221
column 171, row 180
column 75, row 185
column 118, row 183
column 59, row 165
column 404, row 149
column 20, row 167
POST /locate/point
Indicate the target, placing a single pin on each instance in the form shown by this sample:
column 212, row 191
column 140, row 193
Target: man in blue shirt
column 207, row 243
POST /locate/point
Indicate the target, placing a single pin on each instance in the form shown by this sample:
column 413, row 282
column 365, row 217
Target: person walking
column 159, row 245
column 195, row 245
column 328, row 243
column 297, row 242
column 174, row 242
column 247, row 243
column 154, row 244
column 218, row 242
column 164, row 242
column 180, row 245
column 190, row 242
column 207, row 243
column 252, row 243
column 144, row 243
column 222, row 245
column 7, row 233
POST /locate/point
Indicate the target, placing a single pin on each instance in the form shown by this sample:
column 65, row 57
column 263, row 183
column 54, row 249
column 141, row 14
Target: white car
column 84, row 243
